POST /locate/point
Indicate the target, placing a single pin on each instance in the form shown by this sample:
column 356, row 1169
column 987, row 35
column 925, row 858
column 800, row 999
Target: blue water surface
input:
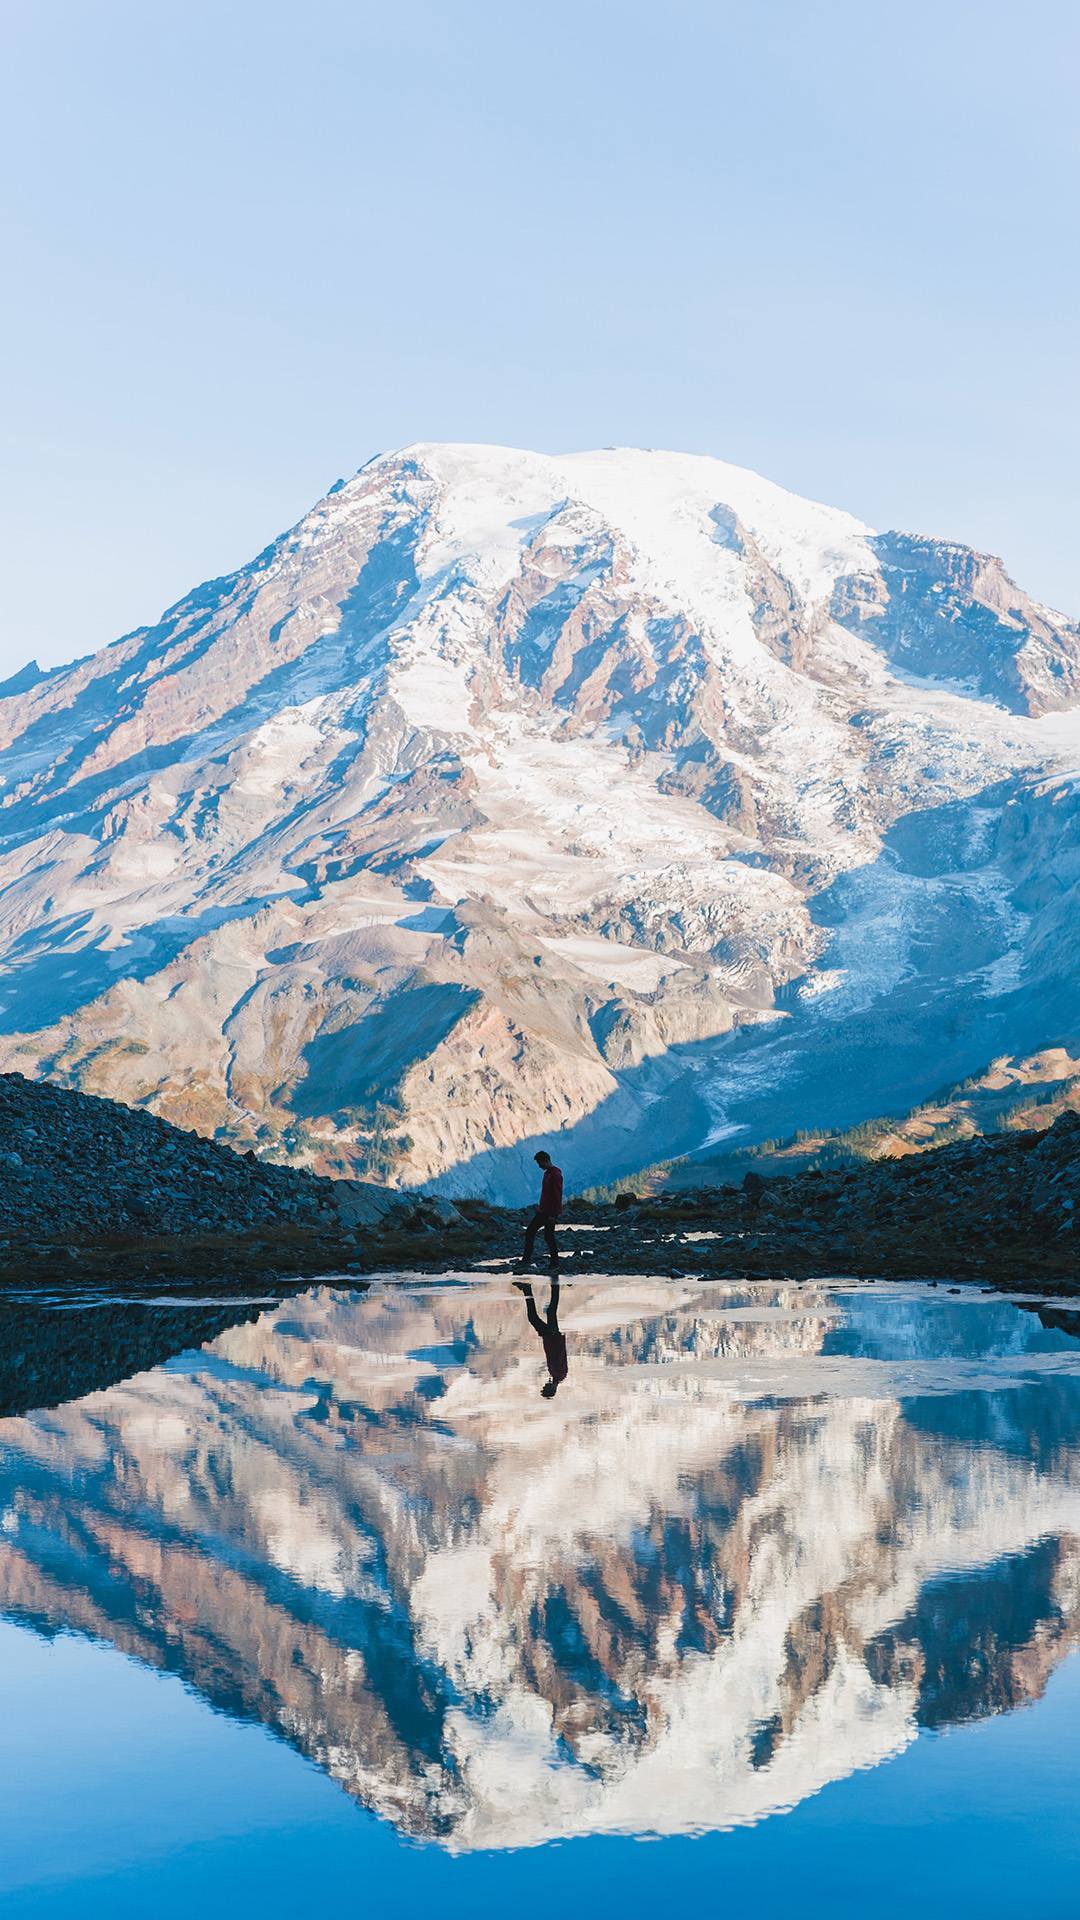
column 282, row 1620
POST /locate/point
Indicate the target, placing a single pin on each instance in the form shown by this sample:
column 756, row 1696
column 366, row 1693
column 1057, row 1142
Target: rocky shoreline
column 94, row 1194
column 173, row 1238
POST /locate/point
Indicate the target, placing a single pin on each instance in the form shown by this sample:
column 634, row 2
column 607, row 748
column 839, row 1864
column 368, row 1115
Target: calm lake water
column 771, row 1605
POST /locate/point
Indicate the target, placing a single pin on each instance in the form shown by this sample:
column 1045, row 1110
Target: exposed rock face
column 752, row 1546
column 620, row 795
column 954, row 616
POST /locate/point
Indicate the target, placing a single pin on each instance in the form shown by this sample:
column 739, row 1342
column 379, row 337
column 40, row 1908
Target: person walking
column 547, row 1212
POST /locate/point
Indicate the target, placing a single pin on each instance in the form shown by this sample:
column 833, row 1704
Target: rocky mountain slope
column 620, row 800
column 91, row 1188
column 1005, row 1208
column 87, row 1168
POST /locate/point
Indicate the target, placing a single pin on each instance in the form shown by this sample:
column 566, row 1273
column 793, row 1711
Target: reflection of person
column 548, row 1209
column 551, row 1334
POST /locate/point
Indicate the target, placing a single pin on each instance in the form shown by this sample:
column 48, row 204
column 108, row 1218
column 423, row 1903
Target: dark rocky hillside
column 1005, row 1207
column 74, row 1165
column 89, row 1188
column 91, row 1192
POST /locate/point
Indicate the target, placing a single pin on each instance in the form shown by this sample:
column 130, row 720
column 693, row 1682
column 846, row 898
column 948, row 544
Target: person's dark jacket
column 551, row 1193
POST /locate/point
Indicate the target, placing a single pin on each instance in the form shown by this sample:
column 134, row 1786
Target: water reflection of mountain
column 674, row 1597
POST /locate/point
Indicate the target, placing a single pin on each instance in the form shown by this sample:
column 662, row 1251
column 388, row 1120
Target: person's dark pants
column 538, row 1221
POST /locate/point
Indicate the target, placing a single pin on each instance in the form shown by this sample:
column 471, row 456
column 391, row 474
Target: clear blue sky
column 248, row 245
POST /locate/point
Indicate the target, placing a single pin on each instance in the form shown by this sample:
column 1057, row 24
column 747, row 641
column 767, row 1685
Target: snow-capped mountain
column 619, row 796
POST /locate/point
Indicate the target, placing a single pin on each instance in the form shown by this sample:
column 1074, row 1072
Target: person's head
column 549, row 1389
column 542, row 1159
